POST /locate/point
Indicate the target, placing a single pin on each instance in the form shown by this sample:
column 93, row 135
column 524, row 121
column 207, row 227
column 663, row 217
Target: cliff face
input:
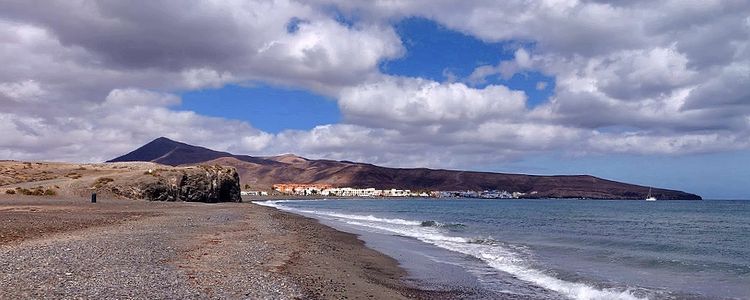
column 194, row 184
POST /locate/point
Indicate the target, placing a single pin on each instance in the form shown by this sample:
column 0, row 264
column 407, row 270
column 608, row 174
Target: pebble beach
column 66, row 248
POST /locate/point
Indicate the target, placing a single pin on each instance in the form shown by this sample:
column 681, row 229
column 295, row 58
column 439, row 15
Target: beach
column 54, row 247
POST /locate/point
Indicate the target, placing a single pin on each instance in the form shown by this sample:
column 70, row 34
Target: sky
column 649, row 92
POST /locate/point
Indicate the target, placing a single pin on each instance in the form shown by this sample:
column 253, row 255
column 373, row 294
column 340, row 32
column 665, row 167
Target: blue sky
column 648, row 93
column 437, row 53
column 714, row 176
column 265, row 107
column 432, row 51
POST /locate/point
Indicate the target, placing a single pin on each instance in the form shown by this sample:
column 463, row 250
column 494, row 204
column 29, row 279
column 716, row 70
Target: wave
column 431, row 223
column 488, row 250
column 370, row 218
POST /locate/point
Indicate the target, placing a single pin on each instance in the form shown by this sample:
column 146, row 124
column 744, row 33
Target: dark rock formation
column 192, row 184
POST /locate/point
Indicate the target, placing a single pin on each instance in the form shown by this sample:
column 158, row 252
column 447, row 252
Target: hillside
column 262, row 172
column 130, row 180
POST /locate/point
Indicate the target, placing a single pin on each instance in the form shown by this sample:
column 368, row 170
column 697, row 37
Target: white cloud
column 521, row 62
column 645, row 77
column 206, row 78
column 655, row 144
column 127, row 118
column 136, row 97
column 27, row 90
column 394, row 102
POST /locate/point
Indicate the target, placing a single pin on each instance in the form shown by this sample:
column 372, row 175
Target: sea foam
column 493, row 254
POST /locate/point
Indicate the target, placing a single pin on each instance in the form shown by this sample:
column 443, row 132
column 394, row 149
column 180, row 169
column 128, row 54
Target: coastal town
column 328, row 190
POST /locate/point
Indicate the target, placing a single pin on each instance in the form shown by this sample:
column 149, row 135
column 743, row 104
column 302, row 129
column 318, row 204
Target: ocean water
column 557, row 249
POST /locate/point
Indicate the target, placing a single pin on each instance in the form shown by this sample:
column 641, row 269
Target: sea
column 556, row 248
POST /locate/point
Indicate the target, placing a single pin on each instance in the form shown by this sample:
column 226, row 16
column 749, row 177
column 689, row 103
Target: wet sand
column 70, row 248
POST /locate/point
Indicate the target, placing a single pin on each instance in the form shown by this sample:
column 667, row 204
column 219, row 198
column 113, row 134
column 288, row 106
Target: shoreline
column 347, row 249
column 226, row 250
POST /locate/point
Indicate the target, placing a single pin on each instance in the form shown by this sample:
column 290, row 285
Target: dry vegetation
column 50, row 179
column 37, row 191
column 102, row 181
column 116, row 180
column 15, row 172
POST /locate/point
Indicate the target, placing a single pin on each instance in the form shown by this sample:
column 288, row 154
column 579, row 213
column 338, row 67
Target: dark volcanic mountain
column 173, row 153
column 262, row 172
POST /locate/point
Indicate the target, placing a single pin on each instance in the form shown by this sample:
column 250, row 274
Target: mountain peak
column 162, row 139
column 169, row 152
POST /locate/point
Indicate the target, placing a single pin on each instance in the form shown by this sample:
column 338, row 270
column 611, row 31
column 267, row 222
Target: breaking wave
column 492, row 252
column 431, row 223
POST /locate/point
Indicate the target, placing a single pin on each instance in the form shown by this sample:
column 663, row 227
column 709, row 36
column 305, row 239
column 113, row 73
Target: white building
column 351, row 192
column 253, row 193
column 396, row 193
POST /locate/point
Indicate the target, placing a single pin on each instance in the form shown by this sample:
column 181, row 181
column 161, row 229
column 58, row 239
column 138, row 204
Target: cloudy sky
column 650, row 92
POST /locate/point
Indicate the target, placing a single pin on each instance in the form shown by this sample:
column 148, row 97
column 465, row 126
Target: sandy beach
column 52, row 247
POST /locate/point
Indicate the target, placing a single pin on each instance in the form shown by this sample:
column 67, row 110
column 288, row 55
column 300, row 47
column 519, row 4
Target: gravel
column 181, row 254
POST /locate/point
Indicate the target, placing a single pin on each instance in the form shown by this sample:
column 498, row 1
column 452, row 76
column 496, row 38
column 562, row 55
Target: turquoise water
column 578, row 249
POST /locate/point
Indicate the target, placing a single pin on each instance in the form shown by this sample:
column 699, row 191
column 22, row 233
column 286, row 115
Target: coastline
column 228, row 250
column 345, row 267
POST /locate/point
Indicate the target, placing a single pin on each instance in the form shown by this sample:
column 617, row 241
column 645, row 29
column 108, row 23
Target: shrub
column 37, row 191
column 73, row 175
column 102, row 181
column 33, row 192
column 105, row 180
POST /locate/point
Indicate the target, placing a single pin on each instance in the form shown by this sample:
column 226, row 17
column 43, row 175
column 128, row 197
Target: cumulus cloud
column 204, row 44
column 206, row 78
column 88, row 80
column 520, row 63
column 126, row 118
column 27, row 90
column 394, row 102
column 105, row 71
column 136, row 97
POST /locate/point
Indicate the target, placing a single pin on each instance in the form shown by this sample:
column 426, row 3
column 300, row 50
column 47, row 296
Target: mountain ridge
column 263, row 172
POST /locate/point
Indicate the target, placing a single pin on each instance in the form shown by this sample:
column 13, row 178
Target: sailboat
column 649, row 197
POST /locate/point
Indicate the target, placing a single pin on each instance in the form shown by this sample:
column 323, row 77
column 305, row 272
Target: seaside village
column 328, row 190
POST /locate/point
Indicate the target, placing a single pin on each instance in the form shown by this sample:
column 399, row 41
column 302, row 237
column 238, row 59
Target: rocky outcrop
column 192, row 184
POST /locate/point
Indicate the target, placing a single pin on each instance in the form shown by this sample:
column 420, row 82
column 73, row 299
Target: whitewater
column 484, row 238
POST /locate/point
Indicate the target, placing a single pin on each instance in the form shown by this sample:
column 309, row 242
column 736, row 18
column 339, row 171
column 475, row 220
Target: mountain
column 263, row 172
column 168, row 152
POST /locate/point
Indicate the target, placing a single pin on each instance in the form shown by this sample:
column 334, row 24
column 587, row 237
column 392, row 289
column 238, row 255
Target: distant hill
column 262, row 172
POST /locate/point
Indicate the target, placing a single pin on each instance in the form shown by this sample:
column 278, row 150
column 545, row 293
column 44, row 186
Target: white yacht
column 649, row 197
